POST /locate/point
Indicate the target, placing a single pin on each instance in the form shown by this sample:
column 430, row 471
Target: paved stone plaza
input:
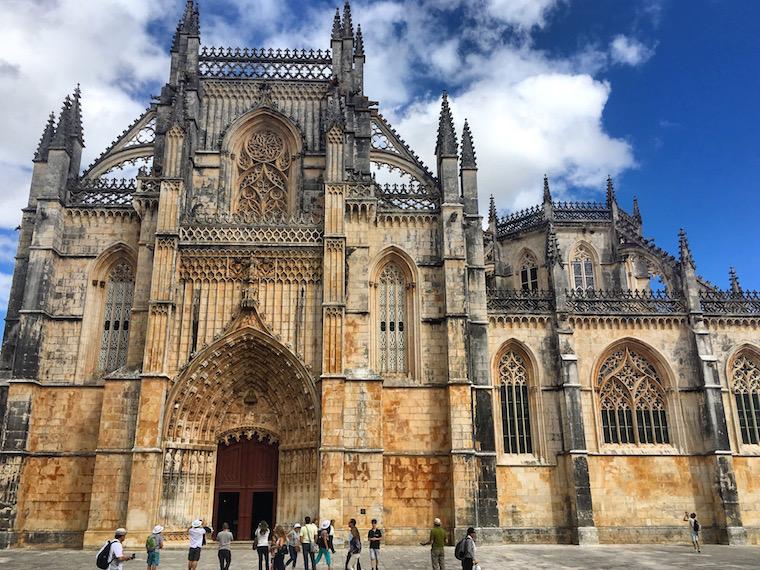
column 414, row 558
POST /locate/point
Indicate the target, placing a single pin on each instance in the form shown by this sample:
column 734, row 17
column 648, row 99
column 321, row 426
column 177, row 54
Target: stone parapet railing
column 519, row 301
column 245, row 63
column 102, row 192
column 630, row 302
column 730, row 302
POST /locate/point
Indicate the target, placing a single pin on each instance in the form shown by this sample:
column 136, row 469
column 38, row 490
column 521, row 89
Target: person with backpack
column 323, row 543
column 465, row 550
column 308, row 542
column 111, row 556
column 153, row 544
column 261, row 544
column 224, row 539
column 197, row 534
column 354, row 545
column 437, row 541
column 694, row 527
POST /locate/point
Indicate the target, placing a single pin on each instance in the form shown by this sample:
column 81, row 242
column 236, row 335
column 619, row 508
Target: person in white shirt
column 117, row 550
column 308, row 543
column 197, row 534
column 261, row 541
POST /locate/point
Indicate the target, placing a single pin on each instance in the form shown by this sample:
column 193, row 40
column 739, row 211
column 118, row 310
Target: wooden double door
column 246, row 486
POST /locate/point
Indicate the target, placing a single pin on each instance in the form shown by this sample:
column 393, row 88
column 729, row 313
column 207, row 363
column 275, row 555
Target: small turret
column 547, row 191
column 46, row 140
column 337, row 30
column 734, row 281
column 359, row 47
column 469, row 158
column 687, row 260
column 446, row 145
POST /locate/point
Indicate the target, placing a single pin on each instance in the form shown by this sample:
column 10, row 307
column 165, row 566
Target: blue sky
column 661, row 94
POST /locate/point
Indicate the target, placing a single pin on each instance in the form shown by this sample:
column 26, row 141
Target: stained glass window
column 392, row 336
column 515, row 408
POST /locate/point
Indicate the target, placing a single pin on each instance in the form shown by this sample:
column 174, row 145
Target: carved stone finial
column 547, row 191
column 553, row 254
column 337, row 30
column 684, row 250
column 188, row 25
column 348, row 25
column 359, row 49
column 636, row 212
column 45, row 141
column 77, row 130
column 61, row 136
column 469, row 158
column 446, row 144
column 734, row 281
column 492, row 212
column 610, row 191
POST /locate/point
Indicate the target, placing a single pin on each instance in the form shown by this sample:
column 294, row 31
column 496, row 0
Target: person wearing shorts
column 197, row 534
column 375, row 535
column 154, row 556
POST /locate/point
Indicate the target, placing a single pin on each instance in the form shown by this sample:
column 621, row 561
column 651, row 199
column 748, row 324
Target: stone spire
column 337, row 31
column 45, row 141
column 684, row 250
column 77, row 130
column 61, row 136
column 348, row 25
column 446, row 144
column 492, row 216
column 547, row 191
column 469, row 158
column 610, row 191
column 734, row 281
column 552, row 247
column 189, row 24
column 636, row 211
column 359, row 50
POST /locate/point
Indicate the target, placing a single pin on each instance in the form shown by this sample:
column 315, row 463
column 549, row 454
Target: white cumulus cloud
column 629, row 51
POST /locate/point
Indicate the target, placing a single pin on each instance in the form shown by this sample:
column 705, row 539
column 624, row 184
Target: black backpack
column 696, row 526
column 459, row 549
column 103, row 561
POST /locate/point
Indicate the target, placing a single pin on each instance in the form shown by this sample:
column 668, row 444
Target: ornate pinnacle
column 734, row 280
column 348, row 25
column 492, row 212
column 60, row 139
column 189, row 24
column 47, row 137
column 552, row 247
column 359, row 49
column 636, row 212
column 469, row 159
column 337, row 31
column 684, row 250
column 547, row 191
column 610, row 191
column 76, row 116
column 446, row 145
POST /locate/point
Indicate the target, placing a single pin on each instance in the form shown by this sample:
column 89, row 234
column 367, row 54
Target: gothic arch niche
column 527, row 270
column 517, row 403
column 744, row 381
column 262, row 166
column 584, row 267
column 394, row 336
column 634, row 400
column 107, row 311
column 246, row 383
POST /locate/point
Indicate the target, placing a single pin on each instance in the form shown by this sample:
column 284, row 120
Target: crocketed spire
column 446, row 145
column 684, row 250
column 610, row 191
column 492, row 212
column 359, row 49
column 348, row 25
column 189, row 24
column 337, row 31
column 61, row 137
column 77, row 130
column 47, row 138
column 469, row 158
column 547, row 191
column 552, row 247
column 636, row 211
column 734, row 281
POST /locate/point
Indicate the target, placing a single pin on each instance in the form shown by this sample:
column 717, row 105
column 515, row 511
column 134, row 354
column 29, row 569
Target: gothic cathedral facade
column 259, row 304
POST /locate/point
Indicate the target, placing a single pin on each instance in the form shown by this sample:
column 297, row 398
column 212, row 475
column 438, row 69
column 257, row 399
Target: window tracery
column 528, row 272
column 116, row 317
column 392, row 337
column 515, row 408
column 583, row 270
column 263, row 163
column 632, row 400
column 745, row 372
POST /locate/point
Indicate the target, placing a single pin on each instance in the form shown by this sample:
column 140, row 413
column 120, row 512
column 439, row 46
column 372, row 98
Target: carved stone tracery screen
column 515, row 407
column 391, row 303
column 745, row 373
column 263, row 164
column 632, row 400
column 116, row 317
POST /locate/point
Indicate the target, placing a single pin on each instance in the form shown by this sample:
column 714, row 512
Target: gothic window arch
column 582, row 268
column 513, row 376
column 117, row 313
column 528, row 272
column 745, row 384
column 632, row 399
column 393, row 317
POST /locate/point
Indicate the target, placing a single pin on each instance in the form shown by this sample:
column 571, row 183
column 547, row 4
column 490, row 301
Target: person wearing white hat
column 116, row 556
column 294, row 544
column 153, row 544
column 197, row 534
column 323, row 543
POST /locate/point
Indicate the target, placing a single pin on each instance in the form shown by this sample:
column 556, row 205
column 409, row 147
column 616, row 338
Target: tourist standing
column 437, row 541
column 375, row 535
column 323, row 543
column 469, row 559
column 153, row 545
column 115, row 548
column 224, row 539
column 308, row 542
column 279, row 548
column 294, row 544
column 197, row 535
column 261, row 543
column 354, row 545
column 694, row 528
column 331, row 534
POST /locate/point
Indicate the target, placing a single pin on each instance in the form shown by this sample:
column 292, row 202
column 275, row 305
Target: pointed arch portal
column 241, row 426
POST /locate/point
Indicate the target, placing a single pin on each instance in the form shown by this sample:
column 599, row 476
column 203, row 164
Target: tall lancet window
column 632, row 400
column 528, row 272
column 392, row 337
column 745, row 373
column 583, row 269
column 515, row 408
column 116, row 317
